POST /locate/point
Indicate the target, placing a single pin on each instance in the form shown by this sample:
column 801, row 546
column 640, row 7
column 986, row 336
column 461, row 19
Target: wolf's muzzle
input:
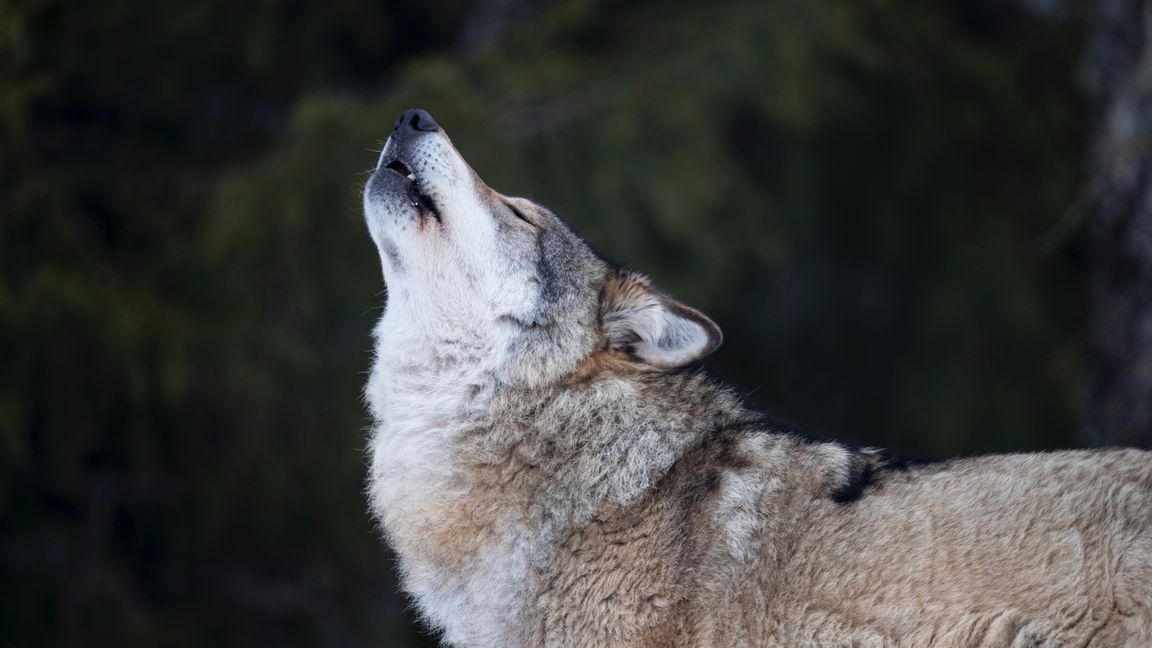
column 398, row 171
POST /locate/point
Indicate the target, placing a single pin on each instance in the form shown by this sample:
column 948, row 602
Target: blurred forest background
column 918, row 222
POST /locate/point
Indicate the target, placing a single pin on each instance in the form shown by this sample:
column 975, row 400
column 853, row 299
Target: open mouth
column 402, row 169
column 418, row 198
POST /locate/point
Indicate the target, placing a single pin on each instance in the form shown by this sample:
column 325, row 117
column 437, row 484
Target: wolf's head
column 506, row 278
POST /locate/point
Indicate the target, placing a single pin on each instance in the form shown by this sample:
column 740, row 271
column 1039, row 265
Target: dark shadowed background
column 908, row 216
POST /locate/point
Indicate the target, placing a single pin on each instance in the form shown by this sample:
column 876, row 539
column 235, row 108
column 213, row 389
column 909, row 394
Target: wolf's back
column 1049, row 549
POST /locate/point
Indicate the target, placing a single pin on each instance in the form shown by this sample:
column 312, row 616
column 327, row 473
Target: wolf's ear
column 653, row 328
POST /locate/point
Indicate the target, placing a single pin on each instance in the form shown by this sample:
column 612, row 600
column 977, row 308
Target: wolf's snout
column 413, row 120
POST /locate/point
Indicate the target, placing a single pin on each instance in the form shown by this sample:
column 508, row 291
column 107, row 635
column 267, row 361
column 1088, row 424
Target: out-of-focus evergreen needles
column 856, row 191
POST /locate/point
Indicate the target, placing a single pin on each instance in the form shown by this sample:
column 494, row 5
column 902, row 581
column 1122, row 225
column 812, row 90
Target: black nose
column 415, row 119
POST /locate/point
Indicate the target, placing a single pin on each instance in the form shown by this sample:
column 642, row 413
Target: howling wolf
column 552, row 471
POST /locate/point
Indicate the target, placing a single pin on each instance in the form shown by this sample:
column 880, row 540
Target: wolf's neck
column 610, row 440
column 423, row 392
column 476, row 483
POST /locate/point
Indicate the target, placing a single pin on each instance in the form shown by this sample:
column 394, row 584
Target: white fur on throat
column 420, row 410
column 439, row 345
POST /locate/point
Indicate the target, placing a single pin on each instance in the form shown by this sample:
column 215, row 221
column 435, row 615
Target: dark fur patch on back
column 870, row 465
column 861, row 474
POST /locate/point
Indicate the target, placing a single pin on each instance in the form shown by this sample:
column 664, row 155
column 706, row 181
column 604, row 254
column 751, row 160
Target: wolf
column 552, row 468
